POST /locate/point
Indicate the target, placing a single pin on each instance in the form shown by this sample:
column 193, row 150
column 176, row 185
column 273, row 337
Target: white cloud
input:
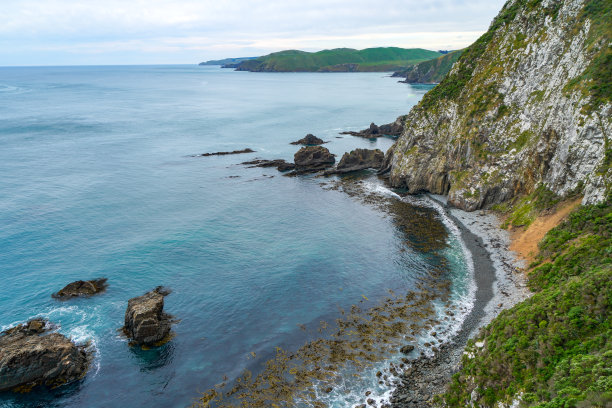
column 190, row 30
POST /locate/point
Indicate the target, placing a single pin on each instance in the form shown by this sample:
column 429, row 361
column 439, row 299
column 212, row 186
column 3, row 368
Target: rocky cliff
column 526, row 107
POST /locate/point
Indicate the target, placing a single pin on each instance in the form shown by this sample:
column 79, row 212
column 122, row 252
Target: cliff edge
column 526, row 107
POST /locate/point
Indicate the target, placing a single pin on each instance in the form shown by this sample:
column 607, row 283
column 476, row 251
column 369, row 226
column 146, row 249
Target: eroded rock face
column 31, row 355
column 313, row 158
column 360, row 159
column 517, row 111
column 145, row 321
column 81, row 288
column 309, row 140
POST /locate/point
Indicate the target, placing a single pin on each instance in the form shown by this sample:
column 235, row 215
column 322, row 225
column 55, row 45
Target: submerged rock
column 359, row 159
column 313, row 158
column 309, row 140
column 145, row 321
column 81, row 288
column 31, row 355
column 407, row 349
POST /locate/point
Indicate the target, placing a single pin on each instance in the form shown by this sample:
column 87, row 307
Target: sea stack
column 146, row 323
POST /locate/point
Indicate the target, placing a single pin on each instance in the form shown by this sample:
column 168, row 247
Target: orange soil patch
column 524, row 241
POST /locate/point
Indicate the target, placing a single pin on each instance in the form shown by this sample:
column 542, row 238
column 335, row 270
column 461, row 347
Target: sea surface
column 96, row 180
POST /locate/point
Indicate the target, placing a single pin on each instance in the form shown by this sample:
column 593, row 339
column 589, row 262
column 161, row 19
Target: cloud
column 211, row 29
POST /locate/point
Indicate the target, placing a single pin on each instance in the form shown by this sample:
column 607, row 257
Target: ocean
column 98, row 181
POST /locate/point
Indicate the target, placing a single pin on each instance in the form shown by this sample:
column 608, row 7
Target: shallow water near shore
column 97, row 182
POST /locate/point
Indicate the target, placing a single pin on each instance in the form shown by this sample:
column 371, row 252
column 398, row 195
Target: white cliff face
column 524, row 116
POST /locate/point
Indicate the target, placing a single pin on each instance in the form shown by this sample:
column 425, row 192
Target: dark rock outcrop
column 309, row 140
column 280, row 164
column 312, row 159
column 360, row 159
column 247, row 150
column 81, row 288
column 31, row 355
column 394, row 129
column 145, row 321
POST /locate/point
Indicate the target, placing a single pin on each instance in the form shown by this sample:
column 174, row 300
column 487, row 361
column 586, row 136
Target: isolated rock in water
column 145, row 320
column 280, row 164
column 360, row 159
column 313, row 158
column 247, row 150
column 310, row 140
column 31, row 355
column 81, row 288
column 390, row 129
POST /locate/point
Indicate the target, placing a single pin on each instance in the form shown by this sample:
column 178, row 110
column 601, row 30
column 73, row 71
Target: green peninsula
column 380, row 59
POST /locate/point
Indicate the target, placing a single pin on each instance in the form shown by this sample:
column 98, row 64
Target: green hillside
column 431, row 71
column 339, row 60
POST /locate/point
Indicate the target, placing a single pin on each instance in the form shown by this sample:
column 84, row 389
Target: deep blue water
column 96, row 182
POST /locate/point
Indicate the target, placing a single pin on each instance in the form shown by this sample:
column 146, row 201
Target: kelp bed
column 360, row 337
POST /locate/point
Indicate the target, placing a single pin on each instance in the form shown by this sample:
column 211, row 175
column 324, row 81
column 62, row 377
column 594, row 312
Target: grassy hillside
column 339, row 59
column 554, row 349
column 431, row 71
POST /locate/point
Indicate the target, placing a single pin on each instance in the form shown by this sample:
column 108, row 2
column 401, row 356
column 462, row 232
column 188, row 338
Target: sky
column 107, row 32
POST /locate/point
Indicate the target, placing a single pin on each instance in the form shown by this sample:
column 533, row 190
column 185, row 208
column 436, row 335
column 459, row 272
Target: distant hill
column 379, row 59
column 430, row 72
column 227, row 61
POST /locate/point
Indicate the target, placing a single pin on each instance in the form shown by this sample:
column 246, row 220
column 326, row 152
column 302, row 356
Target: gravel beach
column 500, row 284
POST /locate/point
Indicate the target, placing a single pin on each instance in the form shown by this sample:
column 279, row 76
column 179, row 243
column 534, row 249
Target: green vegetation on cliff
column 431, row 71
column 339, row 60
column 555, row 348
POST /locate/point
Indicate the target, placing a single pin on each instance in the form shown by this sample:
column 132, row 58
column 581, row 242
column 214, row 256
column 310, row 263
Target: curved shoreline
column 498, row 286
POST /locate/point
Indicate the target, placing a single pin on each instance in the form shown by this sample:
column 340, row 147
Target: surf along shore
column 500, row 284
column 414, row 381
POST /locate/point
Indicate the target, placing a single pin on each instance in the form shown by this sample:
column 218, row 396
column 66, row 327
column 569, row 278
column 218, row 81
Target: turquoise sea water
column 96, row 181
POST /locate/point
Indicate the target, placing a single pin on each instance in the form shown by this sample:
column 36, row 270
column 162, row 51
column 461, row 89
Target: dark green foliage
column 370, row 59
column 555, row 347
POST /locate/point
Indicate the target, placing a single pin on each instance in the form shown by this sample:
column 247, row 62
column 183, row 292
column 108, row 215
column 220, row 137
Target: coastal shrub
column 555, row 347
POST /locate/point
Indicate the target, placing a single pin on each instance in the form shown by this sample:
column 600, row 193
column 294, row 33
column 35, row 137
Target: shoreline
column 499, row 285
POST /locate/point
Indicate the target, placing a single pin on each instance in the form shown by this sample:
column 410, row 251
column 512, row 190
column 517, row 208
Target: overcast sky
column 73, row 32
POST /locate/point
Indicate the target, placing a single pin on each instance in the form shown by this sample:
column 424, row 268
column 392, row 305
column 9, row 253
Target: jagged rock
column 393, row 129
column 145, row 321
column 359, row 159
column 280, row 164
column 309, row 140
column 247, row 150
column 81, row 288
column 31, row 355
column 313, row 158
column 515, row 115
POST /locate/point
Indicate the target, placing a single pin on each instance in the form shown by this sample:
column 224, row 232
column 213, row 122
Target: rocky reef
column 359, row 159
column 526, row 106
column 247, row 150
column 146, row 323
column 81, row 289
column 393, row 129
column 31, row 354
